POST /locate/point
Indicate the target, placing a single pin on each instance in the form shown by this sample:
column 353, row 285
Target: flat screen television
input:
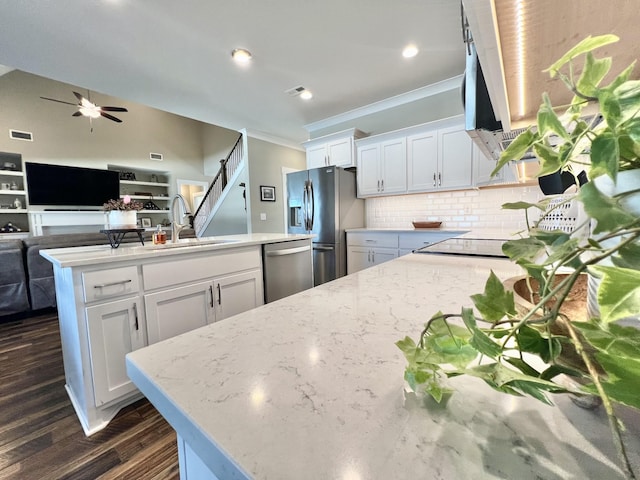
column 61, row 185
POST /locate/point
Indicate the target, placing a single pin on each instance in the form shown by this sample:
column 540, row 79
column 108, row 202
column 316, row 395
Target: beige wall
column 266, row 161
column 60, row 138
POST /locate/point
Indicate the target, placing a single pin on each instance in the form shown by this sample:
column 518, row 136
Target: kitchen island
column 312, row 387
column 112, row 301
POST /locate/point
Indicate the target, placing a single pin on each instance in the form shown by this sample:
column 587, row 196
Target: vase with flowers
column 122, row 213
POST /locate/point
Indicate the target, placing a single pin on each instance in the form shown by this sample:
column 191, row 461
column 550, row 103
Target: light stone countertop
column 100, row 254
column 312, row 387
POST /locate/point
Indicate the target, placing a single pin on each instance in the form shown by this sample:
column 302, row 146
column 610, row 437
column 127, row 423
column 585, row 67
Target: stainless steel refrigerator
column 323, row 202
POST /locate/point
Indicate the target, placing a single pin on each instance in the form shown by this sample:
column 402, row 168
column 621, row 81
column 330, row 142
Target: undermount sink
column 188, row 242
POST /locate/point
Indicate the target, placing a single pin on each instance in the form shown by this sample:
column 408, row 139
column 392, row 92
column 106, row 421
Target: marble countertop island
column 312, row 387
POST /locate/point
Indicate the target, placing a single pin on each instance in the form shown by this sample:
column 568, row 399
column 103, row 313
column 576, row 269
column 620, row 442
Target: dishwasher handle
column 288, row 251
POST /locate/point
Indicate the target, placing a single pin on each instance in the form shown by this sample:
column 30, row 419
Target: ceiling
column 175, row 56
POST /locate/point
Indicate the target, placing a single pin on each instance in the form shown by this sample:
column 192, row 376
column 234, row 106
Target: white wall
column 466, row 209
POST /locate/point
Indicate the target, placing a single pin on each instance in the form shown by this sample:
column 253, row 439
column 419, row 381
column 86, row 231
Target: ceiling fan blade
column 59, row 101
column 113, row 109
column 78, row 96
column 77, row 114
column 110, row 117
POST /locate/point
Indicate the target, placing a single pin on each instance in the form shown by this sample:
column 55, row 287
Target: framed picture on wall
column 267, row 193
column 146, row 222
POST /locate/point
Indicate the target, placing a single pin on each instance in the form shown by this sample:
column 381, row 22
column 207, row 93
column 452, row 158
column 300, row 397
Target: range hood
column 483, row 127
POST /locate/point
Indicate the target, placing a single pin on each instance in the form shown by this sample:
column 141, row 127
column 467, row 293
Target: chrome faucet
column 176, row 227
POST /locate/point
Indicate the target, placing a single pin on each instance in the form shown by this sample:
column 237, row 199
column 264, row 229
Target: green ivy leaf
column 628, row 98
column 605, row 153
column 496, row 302
column 523, row 366
column 516, row 149
column 550, row 161
column 608, row 215
column 532, row 341
column 480, row 340
column 548, row 121
column 523, row 248
column 587, row 45
column 628, row 257
column 522, row 206
column 592, row 74
column 619, row 293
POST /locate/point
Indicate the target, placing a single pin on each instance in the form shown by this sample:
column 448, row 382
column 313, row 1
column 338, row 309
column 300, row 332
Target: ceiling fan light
column 89, row 111
column 241, row 55
column 306, row 95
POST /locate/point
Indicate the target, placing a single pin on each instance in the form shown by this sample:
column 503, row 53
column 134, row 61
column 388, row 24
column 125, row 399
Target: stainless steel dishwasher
column 288, row 268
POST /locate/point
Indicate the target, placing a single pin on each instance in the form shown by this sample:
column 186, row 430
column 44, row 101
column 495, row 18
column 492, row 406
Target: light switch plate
column 263, row 216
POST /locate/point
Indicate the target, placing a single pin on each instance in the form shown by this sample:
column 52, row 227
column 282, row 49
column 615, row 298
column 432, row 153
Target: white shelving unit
column 148, row 186
column 12, row 188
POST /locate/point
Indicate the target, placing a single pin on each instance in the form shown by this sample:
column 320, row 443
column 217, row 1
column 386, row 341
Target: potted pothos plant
column 505, row 337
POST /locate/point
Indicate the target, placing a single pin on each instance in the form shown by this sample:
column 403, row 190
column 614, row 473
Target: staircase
column 228, row 167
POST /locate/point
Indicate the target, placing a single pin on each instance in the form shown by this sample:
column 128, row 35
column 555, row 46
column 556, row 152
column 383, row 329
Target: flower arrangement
column 125, row 203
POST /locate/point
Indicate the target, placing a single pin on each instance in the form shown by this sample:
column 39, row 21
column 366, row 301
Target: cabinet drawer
column 417, row 240
column 374, row 239
column 194, row 268
column 115, row 282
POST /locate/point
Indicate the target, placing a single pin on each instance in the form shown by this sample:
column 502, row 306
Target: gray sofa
column 26, row 278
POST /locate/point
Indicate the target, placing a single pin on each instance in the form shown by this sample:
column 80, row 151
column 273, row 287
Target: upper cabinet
column 337, row 149
column 424, row 158
column 382, row 167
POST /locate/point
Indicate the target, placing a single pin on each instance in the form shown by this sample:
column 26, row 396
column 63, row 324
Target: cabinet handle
column 434, row 179
column 373, row 257
column 369, row 256
column 378, row 185
column 326, row 160
column 112, row 283
column 211, row 292
column 382, row 184
column 371, row 241
column 219, row 295
column 439, row 179
column 135, row 315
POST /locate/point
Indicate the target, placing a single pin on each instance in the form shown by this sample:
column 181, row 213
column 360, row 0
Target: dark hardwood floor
column 40, row 435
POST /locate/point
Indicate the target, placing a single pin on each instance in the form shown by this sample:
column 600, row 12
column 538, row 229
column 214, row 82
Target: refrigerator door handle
column 313, row 205
column 323, row 249
column 304, row 207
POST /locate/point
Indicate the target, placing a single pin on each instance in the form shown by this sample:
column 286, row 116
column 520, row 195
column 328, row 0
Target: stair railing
column 228, row 166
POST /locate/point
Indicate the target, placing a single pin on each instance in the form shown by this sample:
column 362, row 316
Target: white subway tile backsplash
column 466, row 209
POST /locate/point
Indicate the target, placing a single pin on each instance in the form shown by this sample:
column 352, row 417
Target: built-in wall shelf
column 13, row 190
column 150, row 184
column 13, row 210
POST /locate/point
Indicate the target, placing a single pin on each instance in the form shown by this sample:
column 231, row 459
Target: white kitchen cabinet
column 336, row 149
column 237, row 293
column 440, row 159
column 422, row 161
column 178, row 310
column 115, row 329
column 366, row 249
column 382, row 168
column 455, row 158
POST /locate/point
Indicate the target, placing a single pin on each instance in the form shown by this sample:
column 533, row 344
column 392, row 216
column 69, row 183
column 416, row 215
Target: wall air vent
column 292, row 92
column 155, row 156
column 19, row 135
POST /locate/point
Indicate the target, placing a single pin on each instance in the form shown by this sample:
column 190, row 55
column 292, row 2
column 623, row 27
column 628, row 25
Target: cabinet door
column 317, row 156
column 483, row 168
column 381, row 255
column 115, row 329
column 368, row 174
column 422, row 162
column 340, row 152
column 358, row 258
column 178, row 310
column 455, row 158
column 393, row 166
column 238, row 293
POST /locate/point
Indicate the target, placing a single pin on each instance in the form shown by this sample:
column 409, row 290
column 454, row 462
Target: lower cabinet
column 237, row 293
column 359, row 258
column 178, row 310
column 115, row 329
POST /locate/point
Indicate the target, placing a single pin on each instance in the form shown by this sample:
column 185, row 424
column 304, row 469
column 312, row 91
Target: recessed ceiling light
column 410, row 51
column 241, row 55
column 306, row 95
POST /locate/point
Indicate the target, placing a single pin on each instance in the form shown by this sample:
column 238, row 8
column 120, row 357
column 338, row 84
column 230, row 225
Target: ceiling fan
column 89, row 109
